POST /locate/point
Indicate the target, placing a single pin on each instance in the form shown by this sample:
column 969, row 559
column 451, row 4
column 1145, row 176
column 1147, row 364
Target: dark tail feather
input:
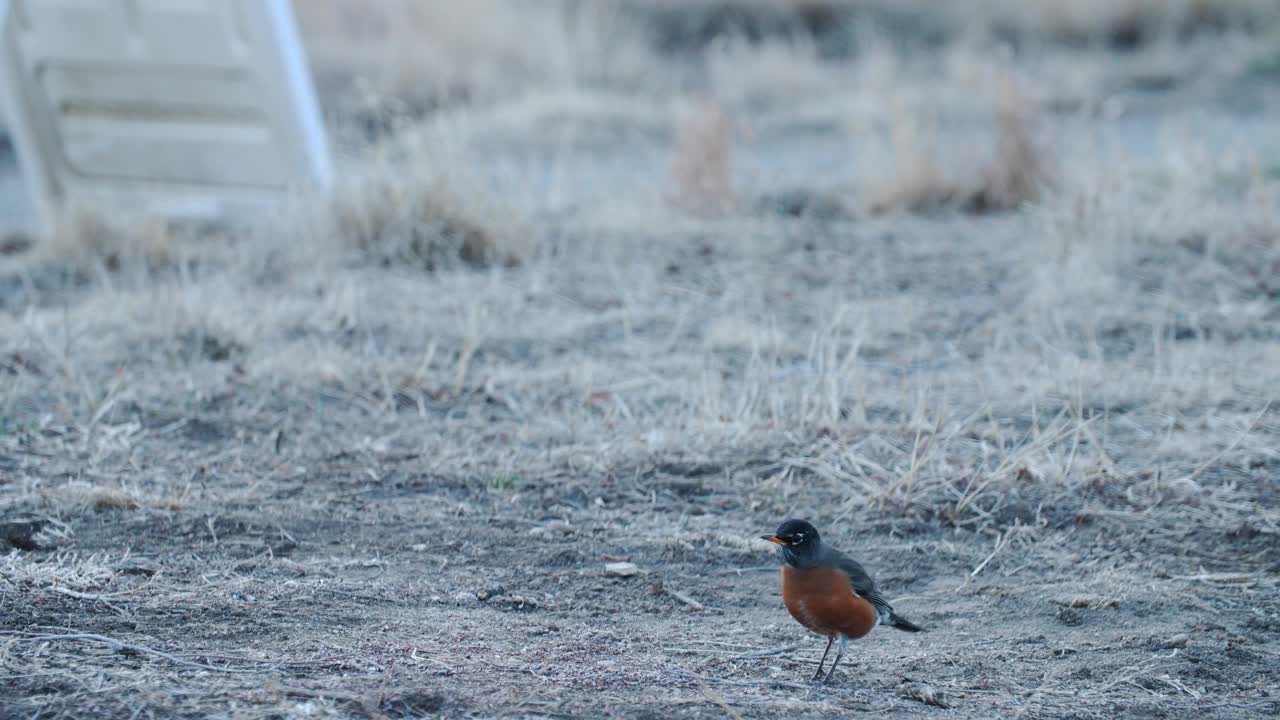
column 901, row 623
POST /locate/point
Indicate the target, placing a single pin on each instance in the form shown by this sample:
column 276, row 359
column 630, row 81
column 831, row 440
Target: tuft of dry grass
column 387, row 59
column 78, row 496
column 701, row 172
column 406, row 204
column 918, row 183
column 414, row 222
column 1019, row 171
column 64, row 570
column 1013, row 177
column 1116, row 23
column 91, row 239
column 1123, row 23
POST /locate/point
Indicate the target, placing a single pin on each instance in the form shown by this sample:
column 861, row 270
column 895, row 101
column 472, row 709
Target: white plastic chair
column 181, row 108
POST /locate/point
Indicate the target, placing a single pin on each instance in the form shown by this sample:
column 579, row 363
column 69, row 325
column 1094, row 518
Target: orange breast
column 822, row 600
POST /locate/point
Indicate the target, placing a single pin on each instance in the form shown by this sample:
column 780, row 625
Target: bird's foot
column 821, row 678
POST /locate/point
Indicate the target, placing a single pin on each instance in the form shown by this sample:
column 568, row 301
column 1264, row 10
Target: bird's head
column 798, row 540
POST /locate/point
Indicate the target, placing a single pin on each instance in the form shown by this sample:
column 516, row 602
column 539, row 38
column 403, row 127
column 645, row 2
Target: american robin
column 828, row 592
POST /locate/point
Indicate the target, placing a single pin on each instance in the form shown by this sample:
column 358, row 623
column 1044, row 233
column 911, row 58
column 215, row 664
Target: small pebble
column 620, row 569
column 490, row 592
column 1070, row 617
column 1177, row 641
column 137, row 566
column 925, row 694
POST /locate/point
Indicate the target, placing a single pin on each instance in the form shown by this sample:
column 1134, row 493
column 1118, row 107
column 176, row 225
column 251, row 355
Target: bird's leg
column 818, row 675
column 839, row 655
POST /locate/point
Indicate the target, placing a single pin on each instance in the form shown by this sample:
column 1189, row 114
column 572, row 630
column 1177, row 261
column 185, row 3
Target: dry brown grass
column 411, row 218
column 407, row 212
column 1119, row 22
column 70, row 571
column 1013, row 177
column 382, row 59
column 77, row 497
column 1019, row 171
column 701, row 160
column 1125, row 23
column 95, row 239
column 392, row 492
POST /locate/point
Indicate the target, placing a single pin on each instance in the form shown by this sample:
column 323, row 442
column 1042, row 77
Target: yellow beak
column 772, row 538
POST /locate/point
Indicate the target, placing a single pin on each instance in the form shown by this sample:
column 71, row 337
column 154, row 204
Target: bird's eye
column 798, row 537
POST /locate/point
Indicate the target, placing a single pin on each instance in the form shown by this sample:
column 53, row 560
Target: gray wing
column 862, row 584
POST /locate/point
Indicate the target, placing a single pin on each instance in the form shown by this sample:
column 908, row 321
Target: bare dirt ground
column 994, row 300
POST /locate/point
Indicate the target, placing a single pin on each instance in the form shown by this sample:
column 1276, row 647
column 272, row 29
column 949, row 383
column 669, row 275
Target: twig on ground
column 730, row 654
column 317, row 693
column 1239, row 705
column 767, row 653
column 86, row 596
column 356, row 596
column 1234, row 444
column 103, row 597
column 1228, row 578
column 712, row 695
column 743, row 683
column 119, row 645
column 1001, row 541
column 718, row 699
column 688, row 600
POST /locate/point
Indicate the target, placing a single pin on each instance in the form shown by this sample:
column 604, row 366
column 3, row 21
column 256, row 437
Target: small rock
column 1070, row 617
column 21, row 534
column 620, row 569
column 464, row 598
column 1088, row 602
column 1178, row 641
column 926, row 695
column 803, row 203
column 14, row 242
column 418, row 547
column 518, row 602
column 490, row 592
column 137, row 566
column 283, row 548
